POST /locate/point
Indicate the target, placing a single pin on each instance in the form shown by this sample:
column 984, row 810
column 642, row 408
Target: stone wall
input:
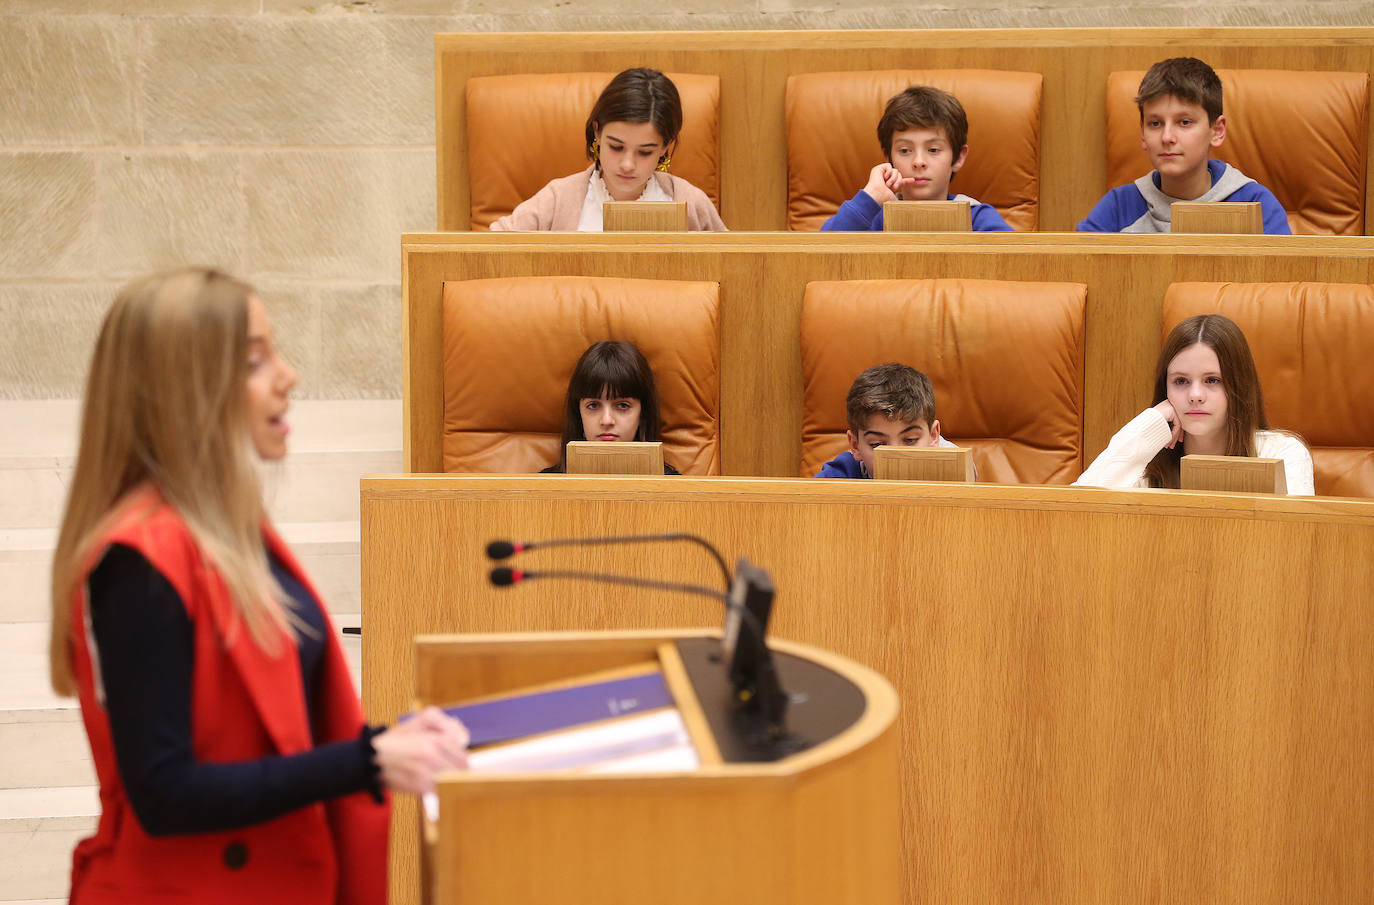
column 293, row 143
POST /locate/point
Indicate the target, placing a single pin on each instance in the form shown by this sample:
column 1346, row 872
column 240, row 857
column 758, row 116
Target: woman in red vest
column 233, row 760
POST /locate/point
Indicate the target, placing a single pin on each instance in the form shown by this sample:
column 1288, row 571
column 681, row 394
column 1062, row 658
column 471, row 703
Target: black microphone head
column 504, row 576
column 501, row 549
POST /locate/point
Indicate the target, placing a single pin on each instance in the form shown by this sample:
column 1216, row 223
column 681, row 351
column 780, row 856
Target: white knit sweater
column 1122, row 463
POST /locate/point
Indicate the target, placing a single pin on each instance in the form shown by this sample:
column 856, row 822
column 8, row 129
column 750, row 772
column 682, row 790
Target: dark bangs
column 616, row 369
column 607, row 368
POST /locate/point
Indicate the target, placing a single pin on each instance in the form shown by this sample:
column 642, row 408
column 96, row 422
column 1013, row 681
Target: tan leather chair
column 1311, row 343
column 510, row 346
column 1302, row 135
column 832, row 138
column 524, row 130
column 1005, row 359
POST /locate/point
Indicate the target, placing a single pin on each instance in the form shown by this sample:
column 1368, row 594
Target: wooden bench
column 753, row 67
column 763, row 278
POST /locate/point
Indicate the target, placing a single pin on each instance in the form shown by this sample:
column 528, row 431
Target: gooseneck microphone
column 504, row 576
column 505, row 549
column 747, row 604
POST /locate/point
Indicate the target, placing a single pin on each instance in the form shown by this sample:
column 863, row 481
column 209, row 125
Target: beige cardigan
column 558, row 205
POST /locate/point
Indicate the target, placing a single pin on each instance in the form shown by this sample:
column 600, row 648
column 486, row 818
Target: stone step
column 47, row 796
column 49, row 800
column 38, row 830
column 42, row 739
column 327, row 550
column 50, row 427
column 333, row 443
column 320, row 485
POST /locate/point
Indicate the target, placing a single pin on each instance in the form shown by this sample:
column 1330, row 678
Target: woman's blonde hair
column 166, row 405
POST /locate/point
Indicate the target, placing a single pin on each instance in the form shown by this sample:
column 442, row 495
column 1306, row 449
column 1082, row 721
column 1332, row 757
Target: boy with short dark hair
column 1181, row 120
column 887, row 405
column 924, row 135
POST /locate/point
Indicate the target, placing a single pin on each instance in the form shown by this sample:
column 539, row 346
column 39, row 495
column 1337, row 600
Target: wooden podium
column 819, row 824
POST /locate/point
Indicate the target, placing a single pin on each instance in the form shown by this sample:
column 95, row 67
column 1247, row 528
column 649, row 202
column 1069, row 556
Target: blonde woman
column 233, row 761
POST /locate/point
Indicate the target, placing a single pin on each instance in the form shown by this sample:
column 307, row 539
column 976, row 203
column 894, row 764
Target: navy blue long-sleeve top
column 147, row 652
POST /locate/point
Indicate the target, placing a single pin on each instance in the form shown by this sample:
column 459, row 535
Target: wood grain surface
column 817, row 827
column 1107, row 696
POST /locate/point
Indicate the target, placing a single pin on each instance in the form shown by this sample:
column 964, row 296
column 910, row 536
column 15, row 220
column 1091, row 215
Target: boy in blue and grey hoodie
column 1180, row 122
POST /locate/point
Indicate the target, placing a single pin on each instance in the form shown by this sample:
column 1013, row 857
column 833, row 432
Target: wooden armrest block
column 1229, row 218
column 923, row 463
column 644, row 216
column 598, row 457
column 1232, row 474
column 927, row 217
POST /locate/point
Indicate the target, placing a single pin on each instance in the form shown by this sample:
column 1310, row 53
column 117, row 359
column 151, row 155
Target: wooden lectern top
column 816, row 826
column 644, row 216
column 597, row 457
column 923, row 463
column 1233, row 474
column 928, row 217
column 1235, row 218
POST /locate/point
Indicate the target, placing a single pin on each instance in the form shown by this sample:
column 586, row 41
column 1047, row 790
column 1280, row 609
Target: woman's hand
column 410, row 754
column 1166, row 408
column 884, row 182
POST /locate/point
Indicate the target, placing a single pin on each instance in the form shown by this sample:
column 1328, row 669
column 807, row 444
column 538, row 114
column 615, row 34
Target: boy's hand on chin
column 883, row 183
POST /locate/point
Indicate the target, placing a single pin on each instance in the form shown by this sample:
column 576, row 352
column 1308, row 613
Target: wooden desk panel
column 763, row 277
column 1107, row 696
column 754, row 65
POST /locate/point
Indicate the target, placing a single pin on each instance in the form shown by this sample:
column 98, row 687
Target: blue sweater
column 862, row 214
column 1126, row 209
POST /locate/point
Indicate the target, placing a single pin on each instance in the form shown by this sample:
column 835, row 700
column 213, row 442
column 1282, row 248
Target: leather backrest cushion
column 1005, row 360
column 510, row 345
column 1311, row 343
column 524, row 130
column 832, row 138
column 1302, row 135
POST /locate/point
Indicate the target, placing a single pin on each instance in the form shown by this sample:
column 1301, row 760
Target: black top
column 146, row 649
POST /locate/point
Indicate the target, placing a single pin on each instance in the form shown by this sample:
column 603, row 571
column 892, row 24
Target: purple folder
column 546, row 711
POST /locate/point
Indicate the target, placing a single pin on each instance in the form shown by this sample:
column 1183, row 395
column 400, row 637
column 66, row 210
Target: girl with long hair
column 1207, row 402
column 229, row 745
column 611, row 396
column 631, row 133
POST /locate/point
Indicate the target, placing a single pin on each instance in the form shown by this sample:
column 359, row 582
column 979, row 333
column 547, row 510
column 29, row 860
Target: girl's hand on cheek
column 1166, row 408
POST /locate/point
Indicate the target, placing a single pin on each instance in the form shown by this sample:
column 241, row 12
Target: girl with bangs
column 1207, row 402
column 228, row 740
column 611, row 397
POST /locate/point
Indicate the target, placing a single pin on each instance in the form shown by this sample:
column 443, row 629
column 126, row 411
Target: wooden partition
column 1107, row 696
column 754, row 66
column 763, row 276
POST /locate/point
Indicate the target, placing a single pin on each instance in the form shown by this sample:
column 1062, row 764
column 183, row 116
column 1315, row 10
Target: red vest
column 245, row 705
